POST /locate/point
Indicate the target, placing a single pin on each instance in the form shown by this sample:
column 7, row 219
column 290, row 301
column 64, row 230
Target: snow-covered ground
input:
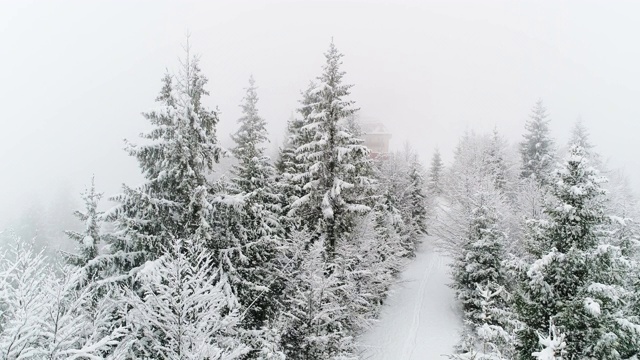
column 420, row 319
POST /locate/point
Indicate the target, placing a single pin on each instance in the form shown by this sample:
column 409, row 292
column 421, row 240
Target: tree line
column 289, row 258
column 545, row 248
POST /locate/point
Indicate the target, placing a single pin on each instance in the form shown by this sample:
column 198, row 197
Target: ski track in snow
column 420, row 319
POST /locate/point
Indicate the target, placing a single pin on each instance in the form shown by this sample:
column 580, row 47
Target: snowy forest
column 295, row 257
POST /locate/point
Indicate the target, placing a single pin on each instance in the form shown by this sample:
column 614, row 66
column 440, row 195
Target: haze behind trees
column 77, row 75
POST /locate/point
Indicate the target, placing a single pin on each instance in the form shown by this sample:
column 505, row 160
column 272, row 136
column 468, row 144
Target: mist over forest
column 319, row 180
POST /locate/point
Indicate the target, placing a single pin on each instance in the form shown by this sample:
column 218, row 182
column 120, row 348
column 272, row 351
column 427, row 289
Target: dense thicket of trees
column 293, row 258
column 285, row 259
column 545, row 256
column 577, row 281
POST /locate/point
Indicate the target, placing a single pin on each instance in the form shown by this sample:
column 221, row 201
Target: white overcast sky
column 75, row 76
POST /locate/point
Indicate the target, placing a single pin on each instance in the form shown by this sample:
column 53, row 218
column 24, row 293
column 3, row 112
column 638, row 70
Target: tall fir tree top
column 434, row 184
column 577, row 282
column 252, row 132
column 579, row 208
column 436, row 164
column 580, row 136
column 176, row 158
column 537, row 148
column 332, row 75
column 184, row 141
column 88, row 240
column 575, row 181
column 495, row 160
column 333, row 167
column 331, row 88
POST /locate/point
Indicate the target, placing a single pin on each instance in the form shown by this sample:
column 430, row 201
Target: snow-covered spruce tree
column 479, row 261
column 254, row 173
column 291, row 168
column 381, row 241
column 401, row 191
column 185, row 309
column 255, row 225
column 496, row 162
column 89, row 239
column 434, row 183
column 315, row 323
column 95, row 303
column 577, row 282
column 329, row 300
column 390, row 244
column 175, row 158
column 580, row 137
column 288, row 190
column 479, row 282
column 486, row 341
column 359, row 292
column 417, row 198
column 537, row 148
column 335, row 166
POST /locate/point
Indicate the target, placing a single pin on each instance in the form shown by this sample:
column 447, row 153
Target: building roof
column 374, row 128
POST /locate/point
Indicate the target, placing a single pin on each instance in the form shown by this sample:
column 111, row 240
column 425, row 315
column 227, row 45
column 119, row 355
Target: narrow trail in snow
column 420, row 319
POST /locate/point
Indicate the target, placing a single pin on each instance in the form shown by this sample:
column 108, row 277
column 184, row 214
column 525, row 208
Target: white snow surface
column 420, row 319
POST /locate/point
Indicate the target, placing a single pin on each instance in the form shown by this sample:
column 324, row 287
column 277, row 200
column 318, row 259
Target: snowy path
column 420, row 320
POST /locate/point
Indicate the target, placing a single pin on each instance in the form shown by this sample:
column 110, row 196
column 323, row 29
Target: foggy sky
column 75, row 76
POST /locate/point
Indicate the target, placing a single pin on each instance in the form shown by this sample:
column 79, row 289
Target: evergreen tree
column 490, row 339
column 537, row 148
column 496, row 162
column 389, row 244
column 89, row 240
column 434, row 184
column 334, row 163
column 254, row 224
column 479, row 261
column 576, row 285
column 254, row 171
column 480, row 284
column 291, row 168
column 396, row 200
column 175, row 158
column 315, row 321
column 417, row 198
column 580, row 137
